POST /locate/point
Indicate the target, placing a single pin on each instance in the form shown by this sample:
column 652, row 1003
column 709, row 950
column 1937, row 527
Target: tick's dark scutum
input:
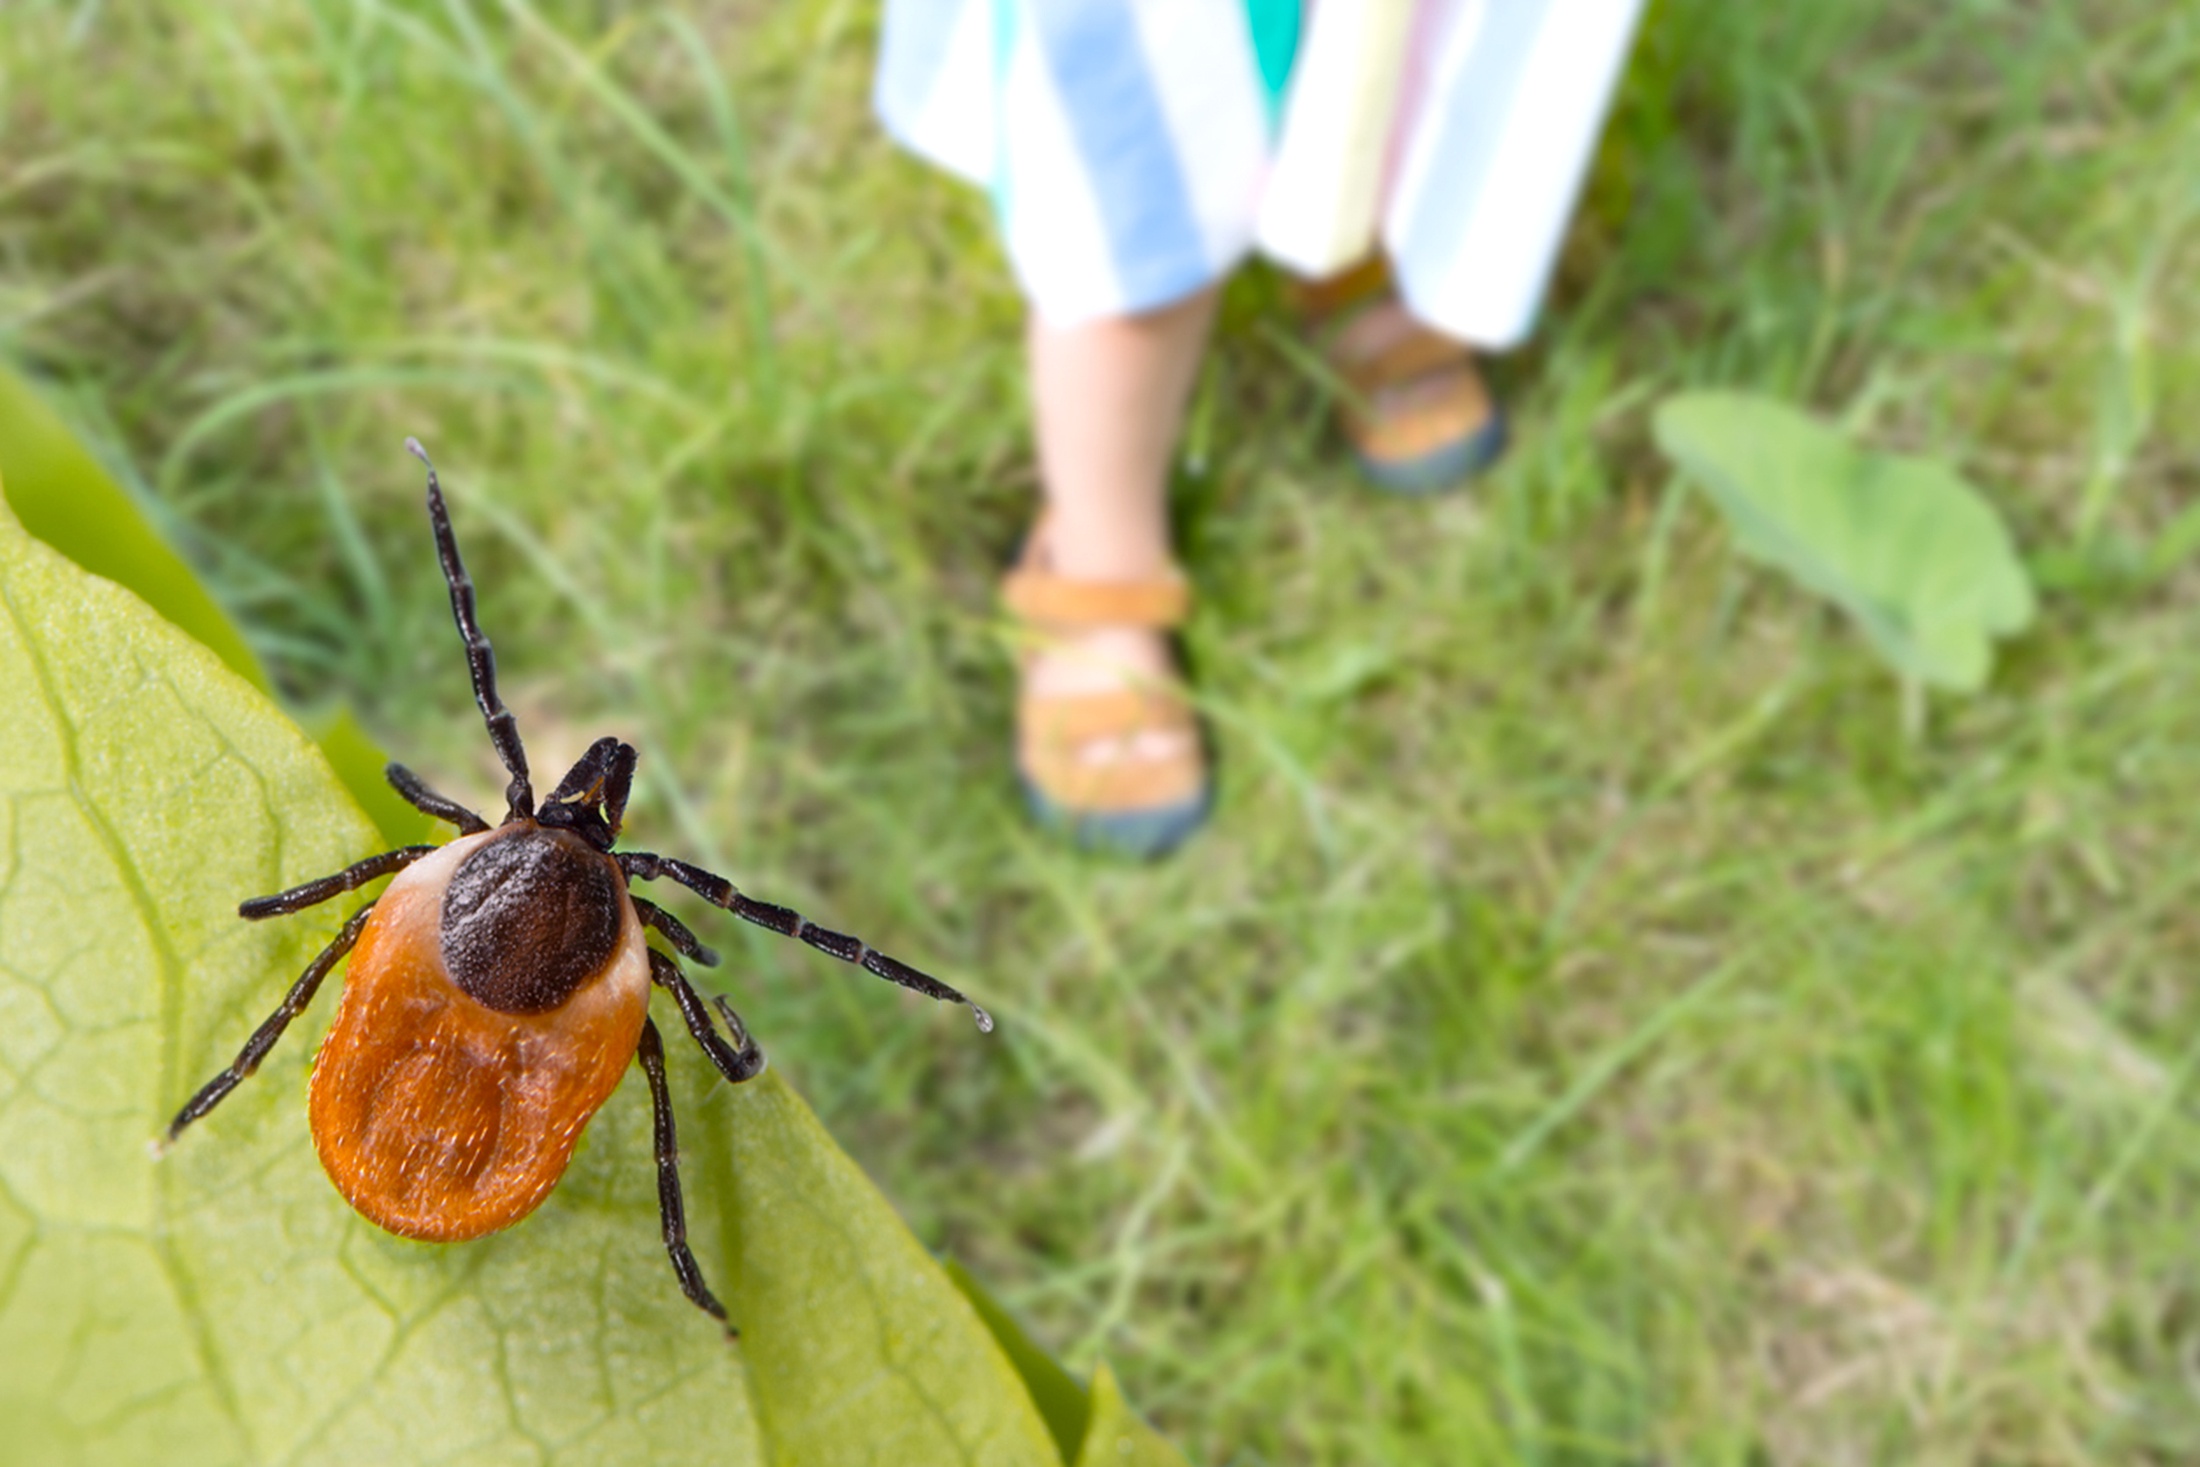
column 529, row 918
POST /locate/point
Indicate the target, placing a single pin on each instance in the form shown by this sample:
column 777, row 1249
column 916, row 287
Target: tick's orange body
column 439, row 1117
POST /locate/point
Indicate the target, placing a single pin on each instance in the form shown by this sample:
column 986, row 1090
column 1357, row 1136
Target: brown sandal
column 1420, row 418
column 1139, row 806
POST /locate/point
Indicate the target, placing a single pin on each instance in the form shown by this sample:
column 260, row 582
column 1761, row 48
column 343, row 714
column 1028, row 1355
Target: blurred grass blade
column 1602, row 1069
column 755, row 279
column 647, row 131
column 266, row 392
column 359, row 762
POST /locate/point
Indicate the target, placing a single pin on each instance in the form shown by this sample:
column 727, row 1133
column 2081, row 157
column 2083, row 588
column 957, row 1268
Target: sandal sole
column 1442, row 469
column 1139, row 834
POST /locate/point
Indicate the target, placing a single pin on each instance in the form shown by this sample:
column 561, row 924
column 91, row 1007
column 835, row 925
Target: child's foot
column 1421, row 418
column 1106, row 745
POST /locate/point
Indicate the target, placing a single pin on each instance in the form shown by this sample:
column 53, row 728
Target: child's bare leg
column 1108, row 398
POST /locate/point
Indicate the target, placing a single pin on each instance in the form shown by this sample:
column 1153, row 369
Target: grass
column 1591, row 1031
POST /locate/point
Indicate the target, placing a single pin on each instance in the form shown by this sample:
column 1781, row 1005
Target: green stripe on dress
column 1275, row 28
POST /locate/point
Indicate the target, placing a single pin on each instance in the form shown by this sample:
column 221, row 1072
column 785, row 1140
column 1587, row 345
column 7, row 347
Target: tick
column 499, row 987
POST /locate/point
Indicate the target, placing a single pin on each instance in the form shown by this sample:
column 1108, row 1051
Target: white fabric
column 1318, row 213
column 1130, row 151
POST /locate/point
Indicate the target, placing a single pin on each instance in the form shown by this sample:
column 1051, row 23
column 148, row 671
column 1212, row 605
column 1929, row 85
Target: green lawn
column 1591, row 1031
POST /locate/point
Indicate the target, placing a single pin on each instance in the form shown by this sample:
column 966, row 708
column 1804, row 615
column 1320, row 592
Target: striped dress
column 1137, row 150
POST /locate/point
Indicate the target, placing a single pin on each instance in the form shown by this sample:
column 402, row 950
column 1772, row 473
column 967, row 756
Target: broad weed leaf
column 1095, row 1426
column 1917, row 556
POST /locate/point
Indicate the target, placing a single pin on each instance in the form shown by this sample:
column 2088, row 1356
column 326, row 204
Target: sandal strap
column 1323, row 301
column 1331, row 307
column 1415, row 353
column 1080, row 718
column 1417, row 418
column 1040, row 596
column 1121, row 787
column 1055, row 731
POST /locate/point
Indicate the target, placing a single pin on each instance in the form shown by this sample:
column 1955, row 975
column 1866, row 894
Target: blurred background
column 1594, row 1027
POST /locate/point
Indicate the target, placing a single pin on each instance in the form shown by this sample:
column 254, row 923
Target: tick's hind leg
column 651, row 1052
column 263, row 1038
column 417, row 794
column 738, row 1061
column 313, row 893
column 684, row 942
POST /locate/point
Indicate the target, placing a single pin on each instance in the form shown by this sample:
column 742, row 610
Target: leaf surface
column 1060, row 1399
column 1916, row 555
column 1116, row 1436
column 861, row 1348
column 223, row 1305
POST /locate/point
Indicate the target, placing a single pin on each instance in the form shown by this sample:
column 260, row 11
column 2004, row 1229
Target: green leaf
column 1117, row 1437
column 1917, row 556
column 860, row 1348
column 223, row 1305
column 62, row 496
column 1060, row 1399
column 358, row 762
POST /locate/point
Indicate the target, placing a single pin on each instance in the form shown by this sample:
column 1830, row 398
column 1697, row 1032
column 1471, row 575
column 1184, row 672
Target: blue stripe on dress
column 1475, row 104
column 1098, row 66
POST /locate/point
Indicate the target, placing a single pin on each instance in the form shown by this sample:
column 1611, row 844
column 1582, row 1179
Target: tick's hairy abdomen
column 437, row 1116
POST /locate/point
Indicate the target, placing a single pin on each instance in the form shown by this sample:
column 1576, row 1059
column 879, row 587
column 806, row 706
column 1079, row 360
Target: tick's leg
column 428, row 802
column 789, row 923
column 313, row 893
column 263, row 1038
column 738, row 1061
column 651, row 1052
column 481, row 662
column 683, row 941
